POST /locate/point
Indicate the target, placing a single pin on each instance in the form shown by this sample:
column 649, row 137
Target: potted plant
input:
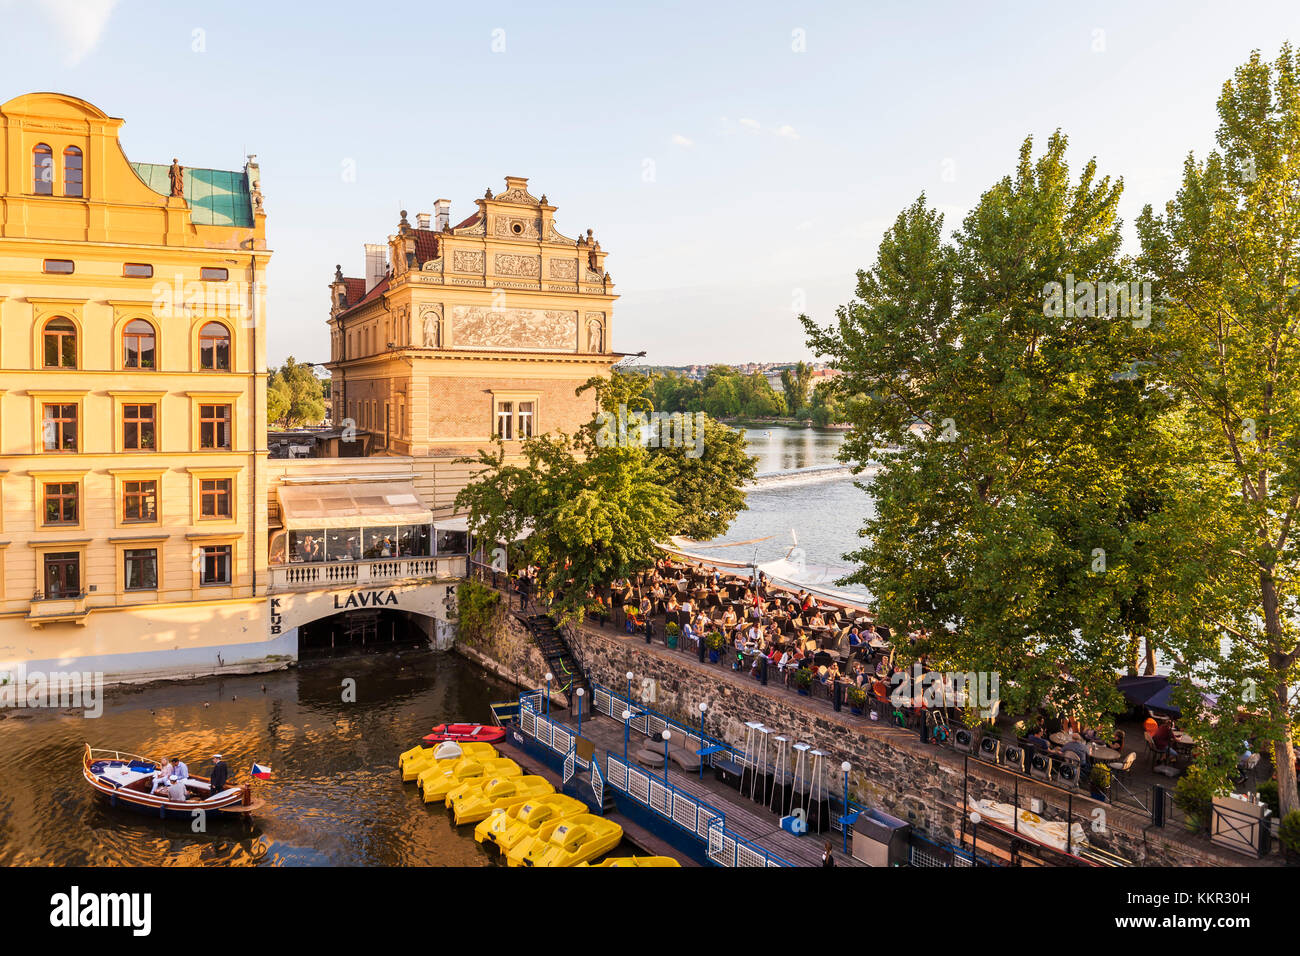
column 671, row 632
column 857, row 699
column 714, row 643
column 803, row 680
column 1100, row 780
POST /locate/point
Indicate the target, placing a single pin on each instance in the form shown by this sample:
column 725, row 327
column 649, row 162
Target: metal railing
column 648, row 721
column 685, row 810
column 569, row 762
column 598, row 783
column 731, row 849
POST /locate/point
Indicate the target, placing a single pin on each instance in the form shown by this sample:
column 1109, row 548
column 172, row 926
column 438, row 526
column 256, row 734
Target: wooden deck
column 745, row 818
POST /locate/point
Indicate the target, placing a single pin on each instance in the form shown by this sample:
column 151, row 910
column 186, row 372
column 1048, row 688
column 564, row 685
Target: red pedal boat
column 463, row 733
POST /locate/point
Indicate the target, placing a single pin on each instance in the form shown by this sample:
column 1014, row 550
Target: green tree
column 1224, row 258
column 594, row 514
column 597, row 505
column 294, row 396
column 795, row 382
column 1000, row 523
column 707, row 479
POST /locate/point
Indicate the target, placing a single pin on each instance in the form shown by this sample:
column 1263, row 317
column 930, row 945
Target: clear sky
column 738, row 161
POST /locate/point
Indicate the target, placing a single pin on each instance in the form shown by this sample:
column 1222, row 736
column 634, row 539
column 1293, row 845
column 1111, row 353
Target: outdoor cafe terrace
column 834, row 655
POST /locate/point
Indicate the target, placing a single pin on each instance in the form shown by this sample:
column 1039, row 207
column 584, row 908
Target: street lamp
column 703, row 708
column 549, row 677
column 580, row 692
column 629, row 688
column 975, row 819
column 627, row 726
column 844, row 820
column 667, row 734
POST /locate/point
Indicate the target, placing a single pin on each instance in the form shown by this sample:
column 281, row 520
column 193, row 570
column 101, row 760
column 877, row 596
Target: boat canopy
column 352, row 504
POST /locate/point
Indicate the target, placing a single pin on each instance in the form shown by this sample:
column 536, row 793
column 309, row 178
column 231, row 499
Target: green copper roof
column 216, row 197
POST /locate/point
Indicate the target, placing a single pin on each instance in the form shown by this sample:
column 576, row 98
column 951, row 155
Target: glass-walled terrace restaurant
column 361, row 521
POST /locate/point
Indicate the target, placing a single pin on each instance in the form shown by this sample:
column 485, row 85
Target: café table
column 1061, row 738
column 1103, row 754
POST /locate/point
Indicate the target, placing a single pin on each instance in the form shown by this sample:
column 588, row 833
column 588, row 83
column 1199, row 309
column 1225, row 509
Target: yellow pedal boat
column 449, row 750
column 438, row 782
column 506, row 828
column 569, row 842
column 473, row 804
column 635, row 861
column 464, row 767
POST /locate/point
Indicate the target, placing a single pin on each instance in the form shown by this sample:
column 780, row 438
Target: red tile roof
column 470, row 221
column 426, row 246
column 355, row 290
column 380, row 288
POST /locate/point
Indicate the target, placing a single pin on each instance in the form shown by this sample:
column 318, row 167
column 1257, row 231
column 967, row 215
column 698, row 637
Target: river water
column 335, row 797
column 821, row 517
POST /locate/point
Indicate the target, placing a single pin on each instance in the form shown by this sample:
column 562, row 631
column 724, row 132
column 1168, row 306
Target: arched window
column 43, row 170
column 72, row 171
column 60, row 344
column 214, row 347
column 138, row 345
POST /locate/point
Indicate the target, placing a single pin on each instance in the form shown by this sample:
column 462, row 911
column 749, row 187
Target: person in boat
column 220, row 774
column 177, row 769
column 176, row 789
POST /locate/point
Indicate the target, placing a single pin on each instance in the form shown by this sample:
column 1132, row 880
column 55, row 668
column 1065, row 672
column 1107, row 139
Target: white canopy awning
column 351, row 505
column 458, row 523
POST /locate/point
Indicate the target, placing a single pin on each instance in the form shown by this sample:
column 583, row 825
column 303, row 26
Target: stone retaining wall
column 892, row 770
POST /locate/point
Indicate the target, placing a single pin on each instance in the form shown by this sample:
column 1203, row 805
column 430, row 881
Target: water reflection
column 781, row 448
column 335, row 799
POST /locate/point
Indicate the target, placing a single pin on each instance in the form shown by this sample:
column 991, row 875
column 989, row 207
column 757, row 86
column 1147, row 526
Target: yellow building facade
column 132, row 402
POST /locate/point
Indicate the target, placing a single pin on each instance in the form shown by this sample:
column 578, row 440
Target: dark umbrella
column 1156, row 693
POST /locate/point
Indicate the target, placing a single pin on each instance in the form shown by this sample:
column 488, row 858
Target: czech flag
column 261, row 771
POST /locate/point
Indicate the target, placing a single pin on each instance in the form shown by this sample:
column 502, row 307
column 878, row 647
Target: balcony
column 347, row 574
column 57, row 610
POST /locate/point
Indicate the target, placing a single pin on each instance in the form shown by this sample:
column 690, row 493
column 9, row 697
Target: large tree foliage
column 590, row 515
column 294, row 396
column 1005, row 521
column 1225, row 257
column 589, row 508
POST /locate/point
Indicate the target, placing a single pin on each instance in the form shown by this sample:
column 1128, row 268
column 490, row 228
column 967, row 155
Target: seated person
column 729, row 618
column 1117, row 741
column 855, row 639
column 1163, row 739
column 176, row 789
column 1036, row 741
column 1079, row 750
column 817, row 620
column 645, row 606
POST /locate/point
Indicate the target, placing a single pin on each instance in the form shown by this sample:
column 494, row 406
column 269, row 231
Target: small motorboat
column 127, row 780
column 462, row 733
column 443, row 751
column 471, row 804
column 436, row 783
column 635, row 861
column 569, row 842
column 506, row 828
